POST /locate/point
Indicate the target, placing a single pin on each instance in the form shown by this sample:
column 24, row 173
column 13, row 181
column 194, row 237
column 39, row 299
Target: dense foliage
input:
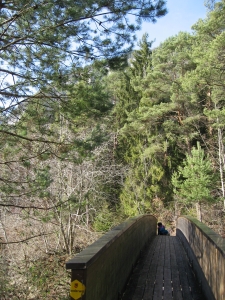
column 174, row 105
column 59, row 182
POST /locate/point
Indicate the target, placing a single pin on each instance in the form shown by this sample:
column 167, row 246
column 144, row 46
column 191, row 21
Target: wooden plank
column 137, row 282
column 149, row 288
column 163, row 272
column 176, row 286
column 167, row 252
column 182, row 270
column 158, row 287
column 194, row 287
column 161, row 250
column 175, row 279
column 167, row 291
column 153, row 263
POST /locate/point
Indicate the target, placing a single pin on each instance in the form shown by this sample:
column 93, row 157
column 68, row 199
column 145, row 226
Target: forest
column 94, row 131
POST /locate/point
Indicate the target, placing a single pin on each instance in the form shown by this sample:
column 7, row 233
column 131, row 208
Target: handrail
column 206, row 251
column 101, row 270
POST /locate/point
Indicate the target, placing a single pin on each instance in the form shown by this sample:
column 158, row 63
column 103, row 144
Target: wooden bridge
column 131, row 262
column 163, row 272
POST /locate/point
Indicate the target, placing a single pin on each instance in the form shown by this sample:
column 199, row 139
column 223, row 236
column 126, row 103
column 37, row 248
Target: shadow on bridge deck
column 163, row 272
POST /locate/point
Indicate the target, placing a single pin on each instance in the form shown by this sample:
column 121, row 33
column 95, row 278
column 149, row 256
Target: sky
column 182, row 14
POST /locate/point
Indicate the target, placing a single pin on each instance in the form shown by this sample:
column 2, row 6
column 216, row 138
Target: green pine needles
column 193, row 182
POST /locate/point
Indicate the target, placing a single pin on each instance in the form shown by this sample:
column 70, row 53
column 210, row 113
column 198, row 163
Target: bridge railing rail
column 206, row 252
column 102, row 269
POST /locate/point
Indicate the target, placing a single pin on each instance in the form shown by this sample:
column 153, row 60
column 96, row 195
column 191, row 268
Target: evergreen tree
column 194, row 182
column 43, row 43
column 205, row 85
column 135, row 143
column 155, row 130
column 141, row 59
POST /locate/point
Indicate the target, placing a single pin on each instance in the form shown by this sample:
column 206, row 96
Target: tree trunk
column 199, row 212
column 221, row 162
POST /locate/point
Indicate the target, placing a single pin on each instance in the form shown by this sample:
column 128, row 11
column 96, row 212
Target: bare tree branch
column 27, row 239
column 31, row 139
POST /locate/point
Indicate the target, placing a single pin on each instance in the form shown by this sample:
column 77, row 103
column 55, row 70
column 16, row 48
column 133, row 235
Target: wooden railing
column 206, row 252
column 101, row 270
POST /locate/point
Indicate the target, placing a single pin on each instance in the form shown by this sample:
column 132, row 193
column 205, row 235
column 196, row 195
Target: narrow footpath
column 163, row 272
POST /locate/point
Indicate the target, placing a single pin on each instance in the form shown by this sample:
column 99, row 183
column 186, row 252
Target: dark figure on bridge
column 162, row 230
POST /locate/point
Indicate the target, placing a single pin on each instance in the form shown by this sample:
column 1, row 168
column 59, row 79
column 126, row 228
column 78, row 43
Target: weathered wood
column 194, row 286
column 181, row 264
column 167, row 277
column 164, row 273
column 206, row 250
column 137, row 282
column 108, row 262
column 176, row 286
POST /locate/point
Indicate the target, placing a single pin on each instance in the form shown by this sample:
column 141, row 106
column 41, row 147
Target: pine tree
column 141, row 59
column 42, row 44
column 194, row 182
column 205, row 85
column 146, row 177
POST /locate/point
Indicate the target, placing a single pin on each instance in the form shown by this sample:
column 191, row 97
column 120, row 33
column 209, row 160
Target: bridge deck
column 163, row 272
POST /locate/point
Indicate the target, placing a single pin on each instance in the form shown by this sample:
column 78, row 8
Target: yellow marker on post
column 77, row 289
